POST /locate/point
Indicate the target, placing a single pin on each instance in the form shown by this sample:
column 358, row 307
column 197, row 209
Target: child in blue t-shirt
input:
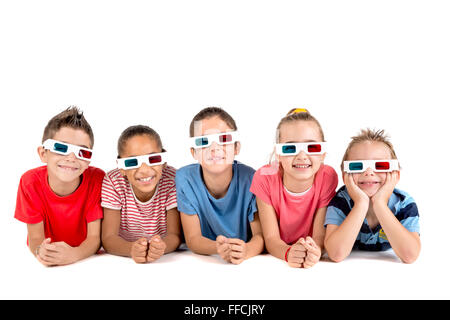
column 218, row 211
column 369, row 213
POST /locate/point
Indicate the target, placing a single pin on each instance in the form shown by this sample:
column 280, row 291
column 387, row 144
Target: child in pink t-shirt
column 292, row 194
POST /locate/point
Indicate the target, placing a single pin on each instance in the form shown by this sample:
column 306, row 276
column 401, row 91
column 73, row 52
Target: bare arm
column 269, row 223
column 194, row 238
column 405, row 244
column 111, row 240
column 173, row 236
column 60, row 253
column 318, row 228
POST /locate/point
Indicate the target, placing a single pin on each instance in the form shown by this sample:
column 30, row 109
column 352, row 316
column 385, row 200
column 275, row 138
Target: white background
column 352, row 64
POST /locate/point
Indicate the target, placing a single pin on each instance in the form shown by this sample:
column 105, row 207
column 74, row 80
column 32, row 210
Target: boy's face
column 369, row 181
column 145, row 178
column 66, row 168
column 302, row 166
column 215, row 158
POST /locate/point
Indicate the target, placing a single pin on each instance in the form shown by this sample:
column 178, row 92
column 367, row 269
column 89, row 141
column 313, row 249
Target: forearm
column 255, row 246
column 172, row 241
column 339, row 243
column 277, row 247
column 34, row 243
column 88, row 247
column 201, row 245
column 405, row 244
column 116, row 245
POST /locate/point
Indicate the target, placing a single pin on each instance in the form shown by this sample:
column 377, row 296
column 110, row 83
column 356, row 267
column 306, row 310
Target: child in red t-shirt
column 60, row 202
column 292, row 197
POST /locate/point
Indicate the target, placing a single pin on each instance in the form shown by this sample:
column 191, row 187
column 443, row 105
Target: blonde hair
column 295, row 114
column 370, row 135
column 298, row 114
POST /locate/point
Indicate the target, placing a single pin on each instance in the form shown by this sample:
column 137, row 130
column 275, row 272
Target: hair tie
column 299, row 110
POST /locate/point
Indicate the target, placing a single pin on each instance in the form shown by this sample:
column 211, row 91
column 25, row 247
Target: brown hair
column 297, row 114
column 137, row 130
column 73, row 118
column 372, row 136
column 210, row 112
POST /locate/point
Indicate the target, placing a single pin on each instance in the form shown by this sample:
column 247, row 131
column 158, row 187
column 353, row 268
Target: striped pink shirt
column 139, row 219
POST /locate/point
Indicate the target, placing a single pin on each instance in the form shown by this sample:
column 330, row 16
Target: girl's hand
column 139, row 250
column 313, row 252
column 238, row 251
column 297, row 254
column 223, row 248
column 384, row 193
column 357, row 195
column 156, row 248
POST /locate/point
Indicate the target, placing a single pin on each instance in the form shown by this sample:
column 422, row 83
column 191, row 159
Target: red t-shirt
column 295, row 214
column 65, row 218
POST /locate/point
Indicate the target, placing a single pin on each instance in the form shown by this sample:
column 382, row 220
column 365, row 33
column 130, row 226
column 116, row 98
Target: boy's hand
column 297, row 254
column 313, row 252
column 56, row 253
column 156, row 248
column 139, row 250
column 238, row 250
column 223, row 248
column 384, row 193
column 41, row 252
column 357, row 195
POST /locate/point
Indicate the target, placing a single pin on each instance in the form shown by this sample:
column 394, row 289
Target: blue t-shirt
column 228, row 216
column 400, row 203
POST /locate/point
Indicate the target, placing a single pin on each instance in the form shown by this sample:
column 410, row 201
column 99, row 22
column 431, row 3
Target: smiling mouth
column 369, row 183
column 216, row 159
column 145, row 180
column 67, row 168
column 301, row 166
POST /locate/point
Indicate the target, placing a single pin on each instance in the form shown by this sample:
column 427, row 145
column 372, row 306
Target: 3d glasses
column 154, row 159
column 359, row 166
column 220, row 138
column 292, row 149
column 67, row 148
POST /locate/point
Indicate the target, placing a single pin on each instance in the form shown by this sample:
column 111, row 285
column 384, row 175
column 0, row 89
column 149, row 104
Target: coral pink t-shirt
column 295, row 213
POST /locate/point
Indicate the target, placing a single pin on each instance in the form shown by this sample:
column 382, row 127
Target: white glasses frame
column 214, row 138
column 49, row 144
column 393, row 165
column 300, row 146
column 121, row 162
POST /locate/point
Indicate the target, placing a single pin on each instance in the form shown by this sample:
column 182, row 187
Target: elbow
column 336, row 254
column 410, row 257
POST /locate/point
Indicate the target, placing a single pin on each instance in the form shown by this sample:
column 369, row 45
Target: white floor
column 185, row 275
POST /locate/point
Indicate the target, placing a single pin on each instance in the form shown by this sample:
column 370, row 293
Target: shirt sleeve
column 409, row 217
column 261, row 187
column 172, row 198
column 329, row 185
column 183, row 201
column 94, row 208
column 28, row 204
column 110, row 197
column 337, row 210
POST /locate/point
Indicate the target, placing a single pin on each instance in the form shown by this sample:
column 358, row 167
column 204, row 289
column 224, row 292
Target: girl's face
column 66, row 168
column 369, row 181
column 145, row 178
column 215, row 158
column 301, row 167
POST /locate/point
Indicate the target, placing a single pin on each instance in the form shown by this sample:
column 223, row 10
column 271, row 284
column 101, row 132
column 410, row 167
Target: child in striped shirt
column 139, row 200
column 369, row 213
